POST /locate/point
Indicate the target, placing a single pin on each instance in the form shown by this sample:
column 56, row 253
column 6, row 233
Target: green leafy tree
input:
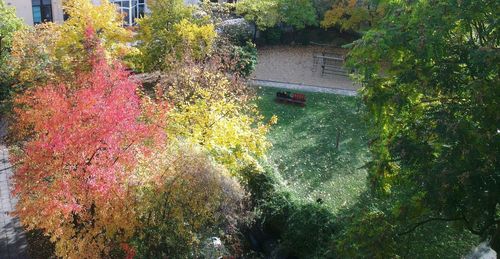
column 298, row 13
column 264, row 13
column 269, row 13
column 9, row 24
column 430, row 75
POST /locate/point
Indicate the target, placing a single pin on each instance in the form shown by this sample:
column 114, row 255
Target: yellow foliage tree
column 33, row 59
column 232, row 132
column 104, row 18
column 198, row 39
column 53, row 51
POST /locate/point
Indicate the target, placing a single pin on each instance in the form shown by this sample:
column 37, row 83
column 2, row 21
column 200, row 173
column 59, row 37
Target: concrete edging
column 302, row 87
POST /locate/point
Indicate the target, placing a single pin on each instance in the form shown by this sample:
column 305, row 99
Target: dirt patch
column 295, row 64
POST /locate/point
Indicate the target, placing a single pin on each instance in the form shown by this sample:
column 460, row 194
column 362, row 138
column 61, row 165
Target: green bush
column 304, row 230
column 272, row 36
column 246, row 58
column 309, row 231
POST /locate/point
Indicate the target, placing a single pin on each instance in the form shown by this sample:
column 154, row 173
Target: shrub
column 185, row 199
column 237, row 31
column 304, row 230
column 246, row 57
column 309, row 231
column 272, row 36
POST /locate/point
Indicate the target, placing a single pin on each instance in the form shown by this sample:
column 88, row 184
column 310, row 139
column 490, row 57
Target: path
column 12, row 239
column 302, row 87
column 294, row 65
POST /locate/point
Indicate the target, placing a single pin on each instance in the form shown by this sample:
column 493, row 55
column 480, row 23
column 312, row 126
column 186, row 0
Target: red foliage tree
column 79, row 148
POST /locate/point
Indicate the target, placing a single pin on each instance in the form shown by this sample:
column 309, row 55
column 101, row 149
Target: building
column 39, row 11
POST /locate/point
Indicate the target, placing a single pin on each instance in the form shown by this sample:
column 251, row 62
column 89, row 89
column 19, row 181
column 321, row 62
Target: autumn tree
column 216, row 111
column 107, row 21
column 33, row 60
column 76, row 153
column 430, row 74
column 55, row 51
column 170, row 32
column 353, row 14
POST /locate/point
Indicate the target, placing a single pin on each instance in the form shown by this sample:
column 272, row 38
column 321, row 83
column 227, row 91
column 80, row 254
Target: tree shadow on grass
column 305, row 139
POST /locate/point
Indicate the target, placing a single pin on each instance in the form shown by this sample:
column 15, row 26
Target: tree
column 353, row 14
column 9, row 24
column 51, row 52
column 170, row 33
column 33, row 60
column 269, row 13
column 264, row 13
column 430, row 79
column 77, row 148
column 107, row 21
column 216, row 111
column 298, row 13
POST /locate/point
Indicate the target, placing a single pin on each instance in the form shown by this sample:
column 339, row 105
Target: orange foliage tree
column 353, row 14
column 75, row 163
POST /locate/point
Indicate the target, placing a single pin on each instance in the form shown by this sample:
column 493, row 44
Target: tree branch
column 427, row 221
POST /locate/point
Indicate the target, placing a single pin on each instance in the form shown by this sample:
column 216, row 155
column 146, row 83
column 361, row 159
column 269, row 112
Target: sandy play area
column 294, row 64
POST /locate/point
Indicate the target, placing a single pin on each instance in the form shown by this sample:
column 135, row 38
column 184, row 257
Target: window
column 132, row 9
column 42, row 11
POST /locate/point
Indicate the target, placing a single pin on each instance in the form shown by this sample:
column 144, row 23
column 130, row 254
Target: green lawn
column 304, row 153
column 304, row 146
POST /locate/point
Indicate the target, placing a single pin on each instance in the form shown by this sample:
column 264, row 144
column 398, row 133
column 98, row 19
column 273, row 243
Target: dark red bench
column 287, row 97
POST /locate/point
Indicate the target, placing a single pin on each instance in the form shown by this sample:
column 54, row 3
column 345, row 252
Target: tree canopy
column 430, row 75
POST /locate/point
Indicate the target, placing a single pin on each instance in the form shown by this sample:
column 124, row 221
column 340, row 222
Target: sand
column 294, row 64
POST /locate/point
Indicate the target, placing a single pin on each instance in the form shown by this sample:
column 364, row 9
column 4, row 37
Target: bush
column 309, row 231
column 185, row 199
column 246, row 58
column 237, row 31
column 304, row 230
column 272, row 36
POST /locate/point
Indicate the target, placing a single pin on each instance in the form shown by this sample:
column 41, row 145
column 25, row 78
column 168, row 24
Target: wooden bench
column 287, row 97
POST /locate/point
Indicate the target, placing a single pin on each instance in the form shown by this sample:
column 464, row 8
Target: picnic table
column 331, row 64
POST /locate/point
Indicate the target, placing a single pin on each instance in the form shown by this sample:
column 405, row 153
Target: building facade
column 39, row 11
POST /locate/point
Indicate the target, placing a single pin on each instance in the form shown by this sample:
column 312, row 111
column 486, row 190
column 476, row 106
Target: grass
column 304, row 146
column 304, row 152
